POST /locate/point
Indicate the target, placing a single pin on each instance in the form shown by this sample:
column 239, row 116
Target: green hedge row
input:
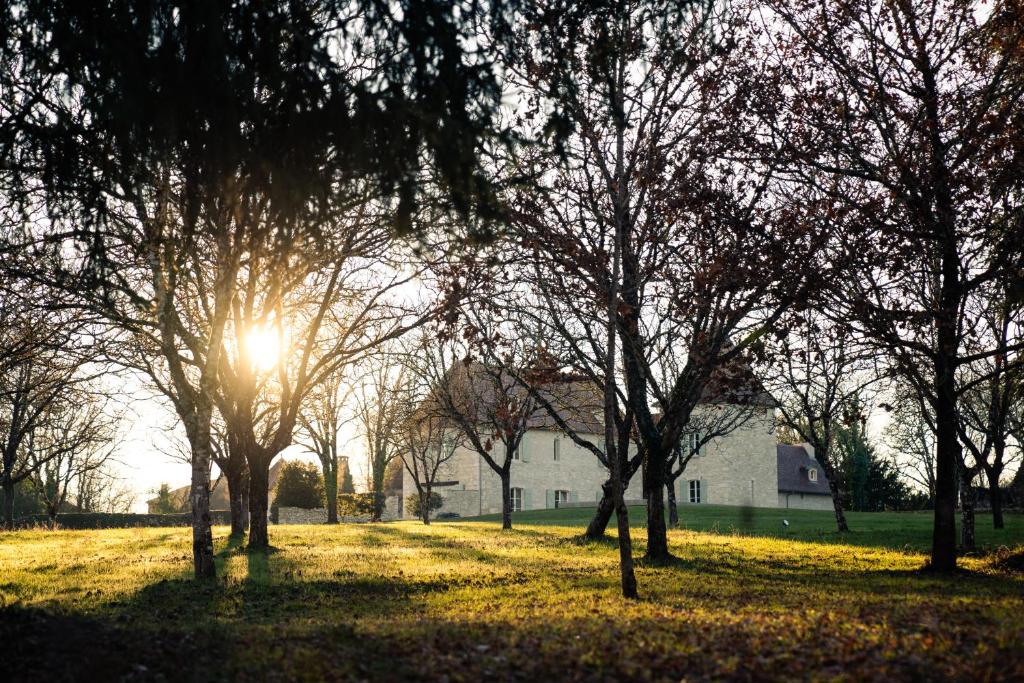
column 113, row 520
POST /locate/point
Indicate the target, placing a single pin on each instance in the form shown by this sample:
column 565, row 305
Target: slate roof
column 577, row 401
column 793, row 463
column 581, row 404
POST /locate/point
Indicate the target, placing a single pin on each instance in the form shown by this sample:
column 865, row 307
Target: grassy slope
column 403, row 601
column 908, row 530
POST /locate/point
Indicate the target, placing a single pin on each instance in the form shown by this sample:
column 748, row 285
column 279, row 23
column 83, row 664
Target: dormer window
column 812, row 474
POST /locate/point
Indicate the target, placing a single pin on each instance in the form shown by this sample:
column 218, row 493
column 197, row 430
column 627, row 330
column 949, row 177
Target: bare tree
column 817, row 378
column 381, row 412
column 485, row 400
column 322, row 419
column 989, row 406
column 426, row 442
column 712, row 420
column 910, row 438
column 73, row 441
column 52, row 371
column 707, row 259
column 103, row 490
column 901, row 120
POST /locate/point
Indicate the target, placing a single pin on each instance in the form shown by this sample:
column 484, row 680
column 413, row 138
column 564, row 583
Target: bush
column 412, row 503
column 355, row 504
column 301, row 485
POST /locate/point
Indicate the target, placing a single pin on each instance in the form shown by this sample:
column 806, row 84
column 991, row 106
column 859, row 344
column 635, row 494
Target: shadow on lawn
column 271, row 620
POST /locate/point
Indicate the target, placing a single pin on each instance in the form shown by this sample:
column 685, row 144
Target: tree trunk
column 606, row 506
column 244, row 492
column 259, row 495
column 947, row 456
column 657, row 534
column 199, row 495
column 629, row 589
column 603, row 514
column 996, row 496
column 673, row 509
column 506, row 500
column 8, row 487
column 837, row 504
column 237, row 493
column 425, row 506
column 331, row 492
column 967, row 542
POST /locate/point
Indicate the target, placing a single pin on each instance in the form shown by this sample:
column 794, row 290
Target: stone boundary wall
column 290, row 515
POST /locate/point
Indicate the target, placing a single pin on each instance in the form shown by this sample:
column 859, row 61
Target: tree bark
column 199, row 495
column 629, row 589
column 995, row 495
column 259, row 495
column 8, row 487
column 947, row 456
column 606, row 506
column 425, row 506
column 657, row 533
column 506, row 500
column 967, row 538
column 837, row 504
column 673, row 509
column 603, row 514
column 331, row 492
column 237, row 495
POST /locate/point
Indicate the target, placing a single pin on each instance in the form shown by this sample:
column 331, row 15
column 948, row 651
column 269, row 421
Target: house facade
column 738, row 468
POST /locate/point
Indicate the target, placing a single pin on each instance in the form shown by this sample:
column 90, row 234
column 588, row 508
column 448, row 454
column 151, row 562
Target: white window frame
column 812, row 474
column 694, row 491
column 556, row 449
column 693, row 444
column 515, row 497
column 561, row 497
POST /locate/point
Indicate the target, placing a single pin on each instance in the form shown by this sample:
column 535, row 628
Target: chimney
column 808, row 447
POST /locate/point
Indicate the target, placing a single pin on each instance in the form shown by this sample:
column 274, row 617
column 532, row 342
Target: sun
column 263, row 345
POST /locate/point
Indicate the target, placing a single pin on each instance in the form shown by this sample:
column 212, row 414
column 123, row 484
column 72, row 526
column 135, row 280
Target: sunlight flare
column 265, row 345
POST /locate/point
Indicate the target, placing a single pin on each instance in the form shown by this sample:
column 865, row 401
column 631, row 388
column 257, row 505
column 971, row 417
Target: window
column 694, row 491
column 515, row 454
column 692, row 444
column 561, row 498
column 556, row 449
column 812, row 474
column 515, row 496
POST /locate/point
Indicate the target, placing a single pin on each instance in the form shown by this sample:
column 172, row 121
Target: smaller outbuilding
column 802, row 481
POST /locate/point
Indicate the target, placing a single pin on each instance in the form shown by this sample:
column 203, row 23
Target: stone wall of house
column 737, row 469
column 805, row 501
column 290, row 515
column 461, row 502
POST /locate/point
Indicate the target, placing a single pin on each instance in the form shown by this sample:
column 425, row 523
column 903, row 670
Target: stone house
column 740, row 467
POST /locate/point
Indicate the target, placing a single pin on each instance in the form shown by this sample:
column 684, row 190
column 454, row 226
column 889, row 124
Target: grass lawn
column 905, row 530
column 464, row 601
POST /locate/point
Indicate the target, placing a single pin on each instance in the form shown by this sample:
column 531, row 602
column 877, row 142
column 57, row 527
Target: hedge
column 115, row 520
